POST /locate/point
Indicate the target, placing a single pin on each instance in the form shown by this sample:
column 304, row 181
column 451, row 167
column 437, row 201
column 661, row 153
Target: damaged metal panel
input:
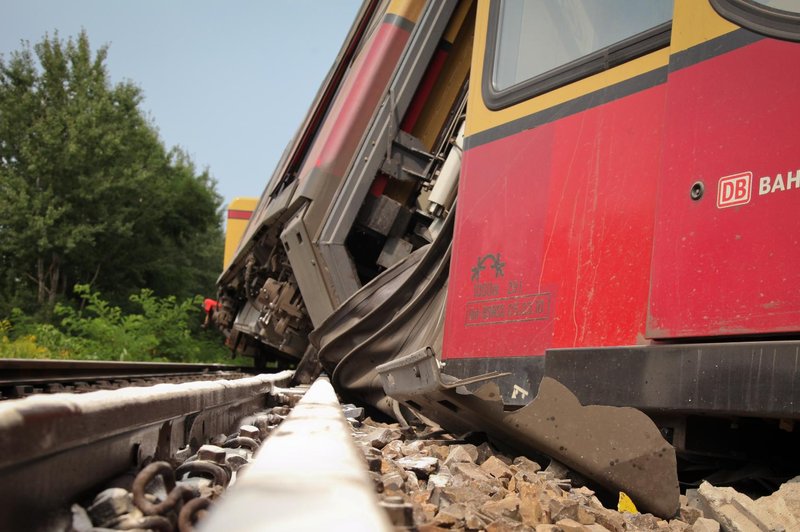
column 371, row 155
column 401, row 312
column 398, row 312
column 297, row 244
column 395, row 250
column 619, row 448
column 409, row 161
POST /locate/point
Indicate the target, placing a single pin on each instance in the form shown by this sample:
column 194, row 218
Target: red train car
column 641, row 200
column 627, row 176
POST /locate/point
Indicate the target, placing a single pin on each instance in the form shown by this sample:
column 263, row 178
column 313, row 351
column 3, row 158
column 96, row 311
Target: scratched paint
column 568, row 206
column 726, row 265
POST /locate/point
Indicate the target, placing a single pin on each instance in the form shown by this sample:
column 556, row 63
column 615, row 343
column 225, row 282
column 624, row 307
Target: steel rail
column 55, row 447
column 308, row 475
column 16, row 370
column 51, row 375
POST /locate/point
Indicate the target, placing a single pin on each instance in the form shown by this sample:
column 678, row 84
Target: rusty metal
column 175, row 494
column 250, row 431
column 89, row 438
column 241, row 441
column 282, row 310
column 148, row 522
column 219, row 475
column 619, row 448
column 23, row 377
column 192, row 512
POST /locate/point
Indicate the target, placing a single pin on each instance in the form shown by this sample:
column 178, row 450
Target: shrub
column 164, row 330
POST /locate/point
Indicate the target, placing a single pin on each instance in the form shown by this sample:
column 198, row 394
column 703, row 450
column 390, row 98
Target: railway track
column 23, row 377
column 57, row 452
column 56, row 449
column 162, row 457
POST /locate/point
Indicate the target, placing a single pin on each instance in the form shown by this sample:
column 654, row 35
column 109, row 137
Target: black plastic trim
column 599, row 61
column 766, row 20
column 526, row 372
column 713, row 48
column 602, row 96
column 750, row 379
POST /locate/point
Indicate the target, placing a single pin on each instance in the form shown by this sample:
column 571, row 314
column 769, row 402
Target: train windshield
column 534, row 38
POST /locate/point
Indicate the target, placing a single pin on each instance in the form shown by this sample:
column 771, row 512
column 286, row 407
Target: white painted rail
column 308, row 475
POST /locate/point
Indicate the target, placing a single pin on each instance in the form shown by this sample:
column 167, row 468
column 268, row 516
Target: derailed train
column 598, row 194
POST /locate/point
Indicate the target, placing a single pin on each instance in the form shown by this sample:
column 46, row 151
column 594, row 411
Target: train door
column 555, row 218
column 726, row 251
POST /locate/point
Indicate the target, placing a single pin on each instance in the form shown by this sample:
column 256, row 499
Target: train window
column 533, row 46
column 775, row 18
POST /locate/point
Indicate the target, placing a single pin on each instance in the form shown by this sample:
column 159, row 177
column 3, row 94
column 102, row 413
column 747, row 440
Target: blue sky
column 227, row 81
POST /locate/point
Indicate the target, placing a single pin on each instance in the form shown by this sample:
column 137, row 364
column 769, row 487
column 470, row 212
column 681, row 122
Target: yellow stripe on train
column 695, row 23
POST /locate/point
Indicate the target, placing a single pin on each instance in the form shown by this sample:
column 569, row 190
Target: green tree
column 88, row 193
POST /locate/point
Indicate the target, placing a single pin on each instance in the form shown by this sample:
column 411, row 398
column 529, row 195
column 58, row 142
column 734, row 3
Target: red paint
column 318, row 111
column 569, row 208
column 379, row 185
column 731, row 270
column 234, row 214
column 356, row 101
column 424, row 90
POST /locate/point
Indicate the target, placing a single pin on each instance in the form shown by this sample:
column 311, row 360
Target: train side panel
column 577, row 227
column 726, row 245
column 555, row 217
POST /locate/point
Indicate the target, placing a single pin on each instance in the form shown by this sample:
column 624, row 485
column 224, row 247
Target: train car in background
column 239, row 212
column 626, row 174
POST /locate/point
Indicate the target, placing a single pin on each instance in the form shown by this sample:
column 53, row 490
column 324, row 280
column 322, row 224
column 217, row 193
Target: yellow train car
column 239, row 212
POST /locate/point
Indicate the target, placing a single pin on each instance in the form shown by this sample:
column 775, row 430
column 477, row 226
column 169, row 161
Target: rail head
column 308, row 475
column 16, row 371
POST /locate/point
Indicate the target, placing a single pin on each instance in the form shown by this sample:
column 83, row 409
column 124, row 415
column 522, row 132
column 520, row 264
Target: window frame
column 603, row 59
column 760, row 18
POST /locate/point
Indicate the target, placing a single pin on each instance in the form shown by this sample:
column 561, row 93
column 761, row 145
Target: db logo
column 734, row 190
